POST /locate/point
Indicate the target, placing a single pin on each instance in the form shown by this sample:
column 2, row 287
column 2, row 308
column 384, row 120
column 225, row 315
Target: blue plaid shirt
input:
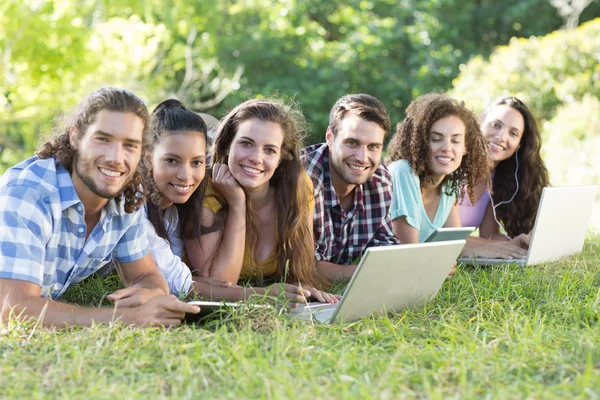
column 42, row 229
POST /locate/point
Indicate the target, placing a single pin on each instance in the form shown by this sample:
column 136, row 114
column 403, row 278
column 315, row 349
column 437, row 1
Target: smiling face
column 503, row 129
column 107, row 154
column 446, row 146
column 179, row 165
column 355, row 150
column 255, row 152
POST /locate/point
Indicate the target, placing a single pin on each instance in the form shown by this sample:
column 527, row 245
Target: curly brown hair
column 294, row 242
column 518, row 216
column 59, row 147
column 411, row 143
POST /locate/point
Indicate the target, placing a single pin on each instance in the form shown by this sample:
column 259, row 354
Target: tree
column 545, row 72
column 570, row 10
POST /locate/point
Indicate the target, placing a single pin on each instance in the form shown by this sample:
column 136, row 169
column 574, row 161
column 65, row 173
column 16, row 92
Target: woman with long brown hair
column 519, row 176
column 257, row 216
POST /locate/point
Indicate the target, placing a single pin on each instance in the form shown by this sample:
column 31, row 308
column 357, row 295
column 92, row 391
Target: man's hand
column 133, row 297
column 163, row 310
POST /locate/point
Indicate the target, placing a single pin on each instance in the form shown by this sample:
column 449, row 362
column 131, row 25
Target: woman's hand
column 452, row 272
column 210, row 281
column 521, row 241
column 227, row 185
column 320, row 296
column 294, row 294
column 497, row 249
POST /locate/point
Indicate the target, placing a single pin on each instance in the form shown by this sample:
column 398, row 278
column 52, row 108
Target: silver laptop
column 559, row 230
column 389, row 278
column 458, row 233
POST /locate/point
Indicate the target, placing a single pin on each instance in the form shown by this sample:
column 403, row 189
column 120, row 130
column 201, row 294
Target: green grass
column 504, row 332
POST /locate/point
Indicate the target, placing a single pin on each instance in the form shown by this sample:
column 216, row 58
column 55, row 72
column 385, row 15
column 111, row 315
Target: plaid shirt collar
column 341, row 237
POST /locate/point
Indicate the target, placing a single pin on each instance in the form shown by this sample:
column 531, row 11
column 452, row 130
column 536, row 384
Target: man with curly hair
column 352, row 187
column 73, row 208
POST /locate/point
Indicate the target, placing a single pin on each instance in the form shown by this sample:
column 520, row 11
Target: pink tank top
column 472, row 214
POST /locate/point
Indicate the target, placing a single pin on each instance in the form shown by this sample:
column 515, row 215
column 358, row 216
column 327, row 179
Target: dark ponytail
column 171, row 116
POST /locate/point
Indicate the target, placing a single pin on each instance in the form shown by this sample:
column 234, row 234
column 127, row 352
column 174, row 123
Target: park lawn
column 503, row 332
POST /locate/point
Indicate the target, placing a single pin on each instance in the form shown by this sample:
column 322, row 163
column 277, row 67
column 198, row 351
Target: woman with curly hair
column 519, row 175
column 257, row 216
column 436, row 153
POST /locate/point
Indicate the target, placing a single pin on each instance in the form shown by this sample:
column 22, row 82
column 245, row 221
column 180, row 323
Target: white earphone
column 506, row 201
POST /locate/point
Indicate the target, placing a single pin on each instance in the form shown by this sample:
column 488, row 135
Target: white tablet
column 444, row 234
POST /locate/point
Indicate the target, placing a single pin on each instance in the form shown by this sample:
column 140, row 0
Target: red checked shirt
column 341, row 237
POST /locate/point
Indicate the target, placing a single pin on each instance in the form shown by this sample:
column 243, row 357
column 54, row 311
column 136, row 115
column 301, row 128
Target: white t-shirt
column 168, row 256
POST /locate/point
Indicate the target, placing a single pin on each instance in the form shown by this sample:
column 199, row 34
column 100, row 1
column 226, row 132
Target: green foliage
column 392, row 50
column 558, row 77
column 42, row 46
column 572, row 143
column 213, row 55
column 55, row 53
column 544, row 72
column 503, row 332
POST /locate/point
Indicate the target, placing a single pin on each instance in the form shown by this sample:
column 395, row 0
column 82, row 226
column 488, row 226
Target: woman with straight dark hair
column 173, row 175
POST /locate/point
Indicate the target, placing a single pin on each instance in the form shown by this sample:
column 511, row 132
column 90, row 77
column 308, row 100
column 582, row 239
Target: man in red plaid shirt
column 352, row 187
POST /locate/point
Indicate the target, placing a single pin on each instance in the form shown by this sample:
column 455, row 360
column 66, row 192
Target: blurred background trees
column 213, row 55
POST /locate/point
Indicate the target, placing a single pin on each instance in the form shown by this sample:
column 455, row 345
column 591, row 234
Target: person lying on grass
column 174, row 172
column 436, row 154
column 352, row 187
column 257, row 215
column 71, row 209
column 519, row 176
column 173, row 176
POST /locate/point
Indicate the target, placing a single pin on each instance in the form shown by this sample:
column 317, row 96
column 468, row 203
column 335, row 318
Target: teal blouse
column 407, row 201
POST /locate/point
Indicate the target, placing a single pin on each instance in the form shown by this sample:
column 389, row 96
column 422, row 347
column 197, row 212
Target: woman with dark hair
column 173, row 175
column 257, row 216
column 519, row 176
column 436, row 153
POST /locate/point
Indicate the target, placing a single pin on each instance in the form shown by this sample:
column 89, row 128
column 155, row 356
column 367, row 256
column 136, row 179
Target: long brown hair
column 106, row 98
column 172, row 117
column 518, row 216
column 294, row 242
column 411, row 142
